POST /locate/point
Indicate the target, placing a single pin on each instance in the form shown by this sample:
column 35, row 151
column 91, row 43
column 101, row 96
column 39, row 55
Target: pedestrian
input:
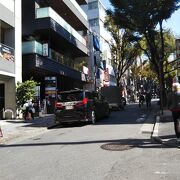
column 29, row 110
column 1, row 134
column 173, row 103
column 148, row 99
column 141, row 100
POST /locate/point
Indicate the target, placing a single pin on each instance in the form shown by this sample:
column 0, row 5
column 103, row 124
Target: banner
column 6, row 53
column 96, row 43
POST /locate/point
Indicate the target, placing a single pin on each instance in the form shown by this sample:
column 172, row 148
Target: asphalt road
column 112, row 149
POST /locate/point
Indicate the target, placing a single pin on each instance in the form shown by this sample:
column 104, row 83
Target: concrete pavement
column 164, row 129
column 161, row 127
column 17, row 129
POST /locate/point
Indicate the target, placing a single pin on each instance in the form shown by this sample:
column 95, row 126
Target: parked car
column 80, row 105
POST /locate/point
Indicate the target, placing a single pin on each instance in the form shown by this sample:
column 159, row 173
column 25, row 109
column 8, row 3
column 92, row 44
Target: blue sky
column 173, row 23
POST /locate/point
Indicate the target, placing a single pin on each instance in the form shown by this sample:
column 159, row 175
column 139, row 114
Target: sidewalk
column 17, row 129
column 164, row 129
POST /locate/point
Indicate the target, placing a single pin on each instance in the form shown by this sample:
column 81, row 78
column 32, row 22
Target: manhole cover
column 116, row 147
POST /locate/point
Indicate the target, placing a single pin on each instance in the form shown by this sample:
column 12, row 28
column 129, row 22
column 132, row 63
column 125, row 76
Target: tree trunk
column 162, row 87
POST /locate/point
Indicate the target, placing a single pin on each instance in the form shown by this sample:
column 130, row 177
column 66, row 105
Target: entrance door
column 1, row 100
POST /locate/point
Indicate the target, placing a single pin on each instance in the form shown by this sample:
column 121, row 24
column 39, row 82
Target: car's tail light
column 58, row 105
column 82, row 103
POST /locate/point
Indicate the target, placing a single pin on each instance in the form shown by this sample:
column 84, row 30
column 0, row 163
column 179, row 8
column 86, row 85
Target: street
column 115, row 148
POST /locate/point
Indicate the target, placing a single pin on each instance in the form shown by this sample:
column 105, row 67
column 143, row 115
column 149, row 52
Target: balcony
column 43, row 66
column 71, row 12
column 47, row 18
column 81, row 2
column 49, row 12
column 7, row 60
column 32, row 47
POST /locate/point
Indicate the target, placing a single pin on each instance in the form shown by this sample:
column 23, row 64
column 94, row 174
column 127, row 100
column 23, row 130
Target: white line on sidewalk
column 155, row 132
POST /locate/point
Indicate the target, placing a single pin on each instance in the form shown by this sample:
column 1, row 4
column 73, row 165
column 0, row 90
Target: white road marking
column 155, row 132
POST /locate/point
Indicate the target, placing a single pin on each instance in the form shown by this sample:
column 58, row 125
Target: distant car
column 80, row 106
column 114, row 97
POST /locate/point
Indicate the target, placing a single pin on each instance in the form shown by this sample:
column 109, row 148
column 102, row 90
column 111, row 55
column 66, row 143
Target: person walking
column 173, row 103
column 148, row 99
column 141, row 100
column 29, row 110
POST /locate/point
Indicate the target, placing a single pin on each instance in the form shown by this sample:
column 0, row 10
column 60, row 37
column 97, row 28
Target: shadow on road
column 135, row 143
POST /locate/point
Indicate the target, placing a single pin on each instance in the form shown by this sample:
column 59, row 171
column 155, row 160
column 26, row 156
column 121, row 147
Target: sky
column 173, row 23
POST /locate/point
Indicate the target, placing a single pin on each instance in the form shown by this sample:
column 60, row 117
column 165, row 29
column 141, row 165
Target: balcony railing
column 79, row 9
column 32, row 47
column 49, row 12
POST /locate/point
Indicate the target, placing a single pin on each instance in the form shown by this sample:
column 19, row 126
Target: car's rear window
column 70, row 96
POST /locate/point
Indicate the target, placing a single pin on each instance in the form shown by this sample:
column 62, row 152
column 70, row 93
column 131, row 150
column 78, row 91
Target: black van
column 80, row 105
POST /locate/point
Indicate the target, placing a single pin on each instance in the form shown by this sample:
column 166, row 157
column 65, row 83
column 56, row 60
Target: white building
column 10, row 52
column 96, row 13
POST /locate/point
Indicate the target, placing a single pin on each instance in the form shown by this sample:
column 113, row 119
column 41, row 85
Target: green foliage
column 144, row 17
column 25, row 91
column 144, row 71
column 123, row 50
column 169, row 44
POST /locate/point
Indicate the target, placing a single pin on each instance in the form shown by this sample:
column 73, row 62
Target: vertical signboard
column 177, row 48
column 106, row 77
column 45, row 49
column 51, row 87
column 178, row 56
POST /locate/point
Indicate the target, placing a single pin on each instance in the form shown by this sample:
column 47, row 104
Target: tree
column 123, row 51
column 25, row 91
column 145, row 19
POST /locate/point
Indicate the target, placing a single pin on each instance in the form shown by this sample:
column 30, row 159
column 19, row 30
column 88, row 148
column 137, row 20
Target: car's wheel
column 92, row 117
column 108, row 112
column 124, row 101
column 57, row 120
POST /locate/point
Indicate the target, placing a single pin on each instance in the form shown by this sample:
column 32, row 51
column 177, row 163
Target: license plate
column 69, row 107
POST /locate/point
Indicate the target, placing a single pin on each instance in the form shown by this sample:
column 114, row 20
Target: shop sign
column 39, row 62
column 177, row 48
column 51, row 86
column 83, row 77
column 106, row 75
column 45, row 49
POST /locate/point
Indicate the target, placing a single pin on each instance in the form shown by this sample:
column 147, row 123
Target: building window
column 94, row 22
column 93, row 5
column 2, row 33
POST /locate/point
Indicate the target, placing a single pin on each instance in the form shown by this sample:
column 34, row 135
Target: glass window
column 93, row 5
column 88, row 95
column 2, row 32
column 94, row 22
column 71, row 96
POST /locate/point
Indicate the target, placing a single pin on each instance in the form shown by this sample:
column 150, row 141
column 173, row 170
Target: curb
column 155, row 135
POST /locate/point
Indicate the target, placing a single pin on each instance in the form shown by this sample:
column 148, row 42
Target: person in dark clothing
column 141, row 100
column 173, row 103
column 148, row 99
